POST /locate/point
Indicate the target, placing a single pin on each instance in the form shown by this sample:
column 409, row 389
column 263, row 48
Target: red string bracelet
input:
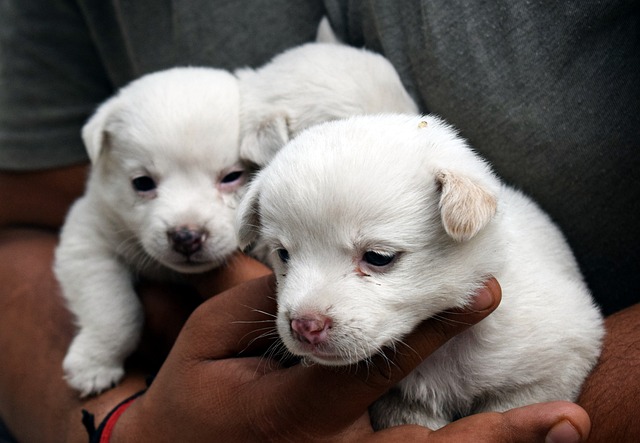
column 103, row 433
column 113, row 418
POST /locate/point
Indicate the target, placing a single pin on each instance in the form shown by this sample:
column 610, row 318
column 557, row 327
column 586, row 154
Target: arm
column 612, row 388
column 39, row 198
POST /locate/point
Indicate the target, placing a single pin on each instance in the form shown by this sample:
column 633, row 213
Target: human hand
column 205, row 392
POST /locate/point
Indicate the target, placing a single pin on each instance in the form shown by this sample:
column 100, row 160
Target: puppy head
column 310, row 84
column 166, row 168
column 374, row 224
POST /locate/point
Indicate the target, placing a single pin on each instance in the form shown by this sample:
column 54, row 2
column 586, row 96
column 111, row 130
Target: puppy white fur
column 160, row 201
column 377, row 223
column 310, row 84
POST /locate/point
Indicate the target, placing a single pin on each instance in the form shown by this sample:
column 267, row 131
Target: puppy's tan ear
column 465, row 206
column 259, row 146
column 94, row 131
column 248, row 216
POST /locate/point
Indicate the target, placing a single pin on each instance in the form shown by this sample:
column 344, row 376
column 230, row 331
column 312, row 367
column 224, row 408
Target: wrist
column 100, row 406
column 104, row 431
column 129, row 426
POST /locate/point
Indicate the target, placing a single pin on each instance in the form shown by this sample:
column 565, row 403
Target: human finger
column 553, row 422
column 231, row 323
column 238, row 269
column 168, row 306
column 435, row 332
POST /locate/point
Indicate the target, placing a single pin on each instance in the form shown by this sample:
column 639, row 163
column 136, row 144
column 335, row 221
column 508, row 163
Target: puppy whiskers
column 131, row 248
column 275, row 352
column 270, row 333
column 450, row 321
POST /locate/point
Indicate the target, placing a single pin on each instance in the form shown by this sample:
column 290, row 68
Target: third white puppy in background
column 160, row 201
column 376, row 223
column 311, row 84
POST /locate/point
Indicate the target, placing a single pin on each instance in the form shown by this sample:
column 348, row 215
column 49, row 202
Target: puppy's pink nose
column 313, row 329
column 187, row 240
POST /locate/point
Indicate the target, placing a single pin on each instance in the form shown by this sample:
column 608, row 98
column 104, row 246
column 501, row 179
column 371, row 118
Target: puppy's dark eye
column 378, row 258
column 231, row 177
column 143, row 184
column 283, row 254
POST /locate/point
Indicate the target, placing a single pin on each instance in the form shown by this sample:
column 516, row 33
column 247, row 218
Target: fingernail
column 563, row 432
column 481, row 300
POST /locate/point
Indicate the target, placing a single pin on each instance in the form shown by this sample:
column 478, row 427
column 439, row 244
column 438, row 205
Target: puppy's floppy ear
column 260, row 145
column 94, row 131
column 465, row 205
column 248, row 215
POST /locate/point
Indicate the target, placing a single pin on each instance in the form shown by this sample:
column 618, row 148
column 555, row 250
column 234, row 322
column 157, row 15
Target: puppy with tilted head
column 160, row 202
column 376, row 223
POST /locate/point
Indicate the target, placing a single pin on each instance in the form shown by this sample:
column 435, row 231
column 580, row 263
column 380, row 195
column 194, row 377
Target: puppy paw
column 88, row 376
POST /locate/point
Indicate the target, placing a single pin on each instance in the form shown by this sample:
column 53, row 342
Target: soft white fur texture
column 409, row 189
column 179, row 128
column 310, row 84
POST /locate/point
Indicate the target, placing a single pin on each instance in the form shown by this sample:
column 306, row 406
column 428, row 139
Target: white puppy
column 160, row 201
column 311, row 84
column 377, row 223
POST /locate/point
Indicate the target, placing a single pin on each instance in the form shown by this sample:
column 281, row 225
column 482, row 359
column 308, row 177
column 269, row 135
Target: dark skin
column 203, row 390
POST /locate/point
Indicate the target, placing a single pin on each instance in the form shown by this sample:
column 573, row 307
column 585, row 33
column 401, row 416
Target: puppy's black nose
column 187, row 240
